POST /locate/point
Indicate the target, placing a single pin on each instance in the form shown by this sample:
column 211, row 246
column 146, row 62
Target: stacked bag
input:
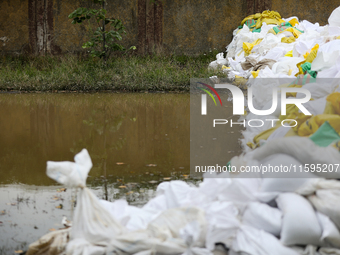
column 250, row 213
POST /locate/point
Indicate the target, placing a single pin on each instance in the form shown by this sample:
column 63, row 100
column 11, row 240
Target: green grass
column 123, row 73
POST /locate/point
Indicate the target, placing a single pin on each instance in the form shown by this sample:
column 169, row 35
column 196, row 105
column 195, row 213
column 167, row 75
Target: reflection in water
column 135, row 141
column 133, row 130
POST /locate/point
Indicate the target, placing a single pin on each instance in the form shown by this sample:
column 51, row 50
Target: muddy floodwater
column 135, row 141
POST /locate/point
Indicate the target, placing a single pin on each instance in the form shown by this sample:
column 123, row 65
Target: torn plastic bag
column 262, row 216
column 53, row 243
column 327, row 202
column 300, row 226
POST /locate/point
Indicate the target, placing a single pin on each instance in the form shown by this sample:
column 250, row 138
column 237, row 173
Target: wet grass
column 122, row 73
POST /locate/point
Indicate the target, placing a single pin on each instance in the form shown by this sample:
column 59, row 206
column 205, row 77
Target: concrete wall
column 180, row 26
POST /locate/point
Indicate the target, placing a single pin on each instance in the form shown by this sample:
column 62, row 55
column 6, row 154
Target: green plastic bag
column 302, row 79
column 325, row 135
column 282, row 27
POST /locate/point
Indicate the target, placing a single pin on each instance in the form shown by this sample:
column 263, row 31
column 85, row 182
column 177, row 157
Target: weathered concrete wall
column 180, row 26
column 193, row 26
column 13, row 25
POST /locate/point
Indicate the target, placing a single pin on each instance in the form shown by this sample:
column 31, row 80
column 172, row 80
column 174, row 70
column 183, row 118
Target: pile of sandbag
column 247, row 213
column 244, row 215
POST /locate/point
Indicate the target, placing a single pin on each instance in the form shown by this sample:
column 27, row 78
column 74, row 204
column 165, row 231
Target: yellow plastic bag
column 289, row 54
column 294, row 31
column 293, row 22
column 247, row 47
column 312, row 125
column 334, row 103
column 270, row 17
column 310, row 56
column 255, row 73
column 288, row 40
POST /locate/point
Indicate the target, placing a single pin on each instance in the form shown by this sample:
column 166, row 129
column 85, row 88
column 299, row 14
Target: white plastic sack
column 304, row 150
column 327, row 202
column 330, row 234
column 92, row 223
column 220, row 60
column 252, row 241
column 334, row 18
column 300, row 224
column 262, row 216
column 223, row 224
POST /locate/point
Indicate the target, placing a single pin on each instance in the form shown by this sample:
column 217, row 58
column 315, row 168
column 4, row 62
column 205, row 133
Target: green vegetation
column 102, row 42
column 121, row 73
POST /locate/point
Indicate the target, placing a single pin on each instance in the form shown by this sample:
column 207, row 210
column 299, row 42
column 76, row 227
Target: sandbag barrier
column 256, row 216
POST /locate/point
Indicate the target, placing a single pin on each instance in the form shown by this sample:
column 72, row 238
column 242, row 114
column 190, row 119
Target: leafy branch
column 102, row 42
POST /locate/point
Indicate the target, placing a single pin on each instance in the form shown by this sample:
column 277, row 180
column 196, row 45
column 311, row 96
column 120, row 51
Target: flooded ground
column 135, row 141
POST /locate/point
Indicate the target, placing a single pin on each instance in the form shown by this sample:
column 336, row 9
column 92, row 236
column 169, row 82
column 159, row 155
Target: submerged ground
column 135, row 142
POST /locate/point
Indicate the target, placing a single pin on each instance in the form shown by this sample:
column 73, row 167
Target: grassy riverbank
column 126, row 73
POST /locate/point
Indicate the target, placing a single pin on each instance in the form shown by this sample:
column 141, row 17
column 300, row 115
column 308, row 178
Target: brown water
column 135, row 141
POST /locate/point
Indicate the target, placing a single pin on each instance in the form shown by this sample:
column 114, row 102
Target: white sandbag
column 175, row 193
column 332, row 72
column 329, row 251
column 190, row 234
column 92, row 223
column 286, row 65
column 325, row 60
column 300, row 224
column 334, row 31
column 220, row 60
column 282, row 166
column 223, row 224
column 301, row 47
column 262, row 216
column 170, row 223
column 327, row 202
column 334, row 18
column 263, row 90
column 306, row 250
column 275, row 53
column 305, row 151
column 319, row 89
column 315, row 184
column 316, row 107
column 252, row 241
column 278, row 133
column 330, row 234
column 71, row 174
column 135, row 218
column 175, row 231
